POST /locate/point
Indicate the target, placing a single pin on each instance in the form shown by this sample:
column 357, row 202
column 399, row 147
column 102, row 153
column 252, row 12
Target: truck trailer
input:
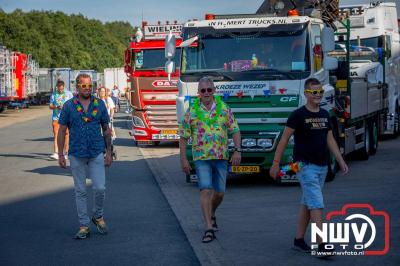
column 5, row 78
column 116, row 77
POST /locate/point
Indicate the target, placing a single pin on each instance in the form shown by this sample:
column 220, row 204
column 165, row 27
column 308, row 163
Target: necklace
column 200, row 114
column 86, row 117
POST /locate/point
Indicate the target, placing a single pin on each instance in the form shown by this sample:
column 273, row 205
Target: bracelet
column 276, row 161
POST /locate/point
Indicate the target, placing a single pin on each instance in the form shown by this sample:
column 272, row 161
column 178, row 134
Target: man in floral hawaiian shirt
column 57, row 100
column 208, row 123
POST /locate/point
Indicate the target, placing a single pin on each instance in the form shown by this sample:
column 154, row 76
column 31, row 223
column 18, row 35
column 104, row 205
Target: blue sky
column 153, row 10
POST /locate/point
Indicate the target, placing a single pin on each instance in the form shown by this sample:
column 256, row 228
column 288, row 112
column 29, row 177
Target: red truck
column 151, row 95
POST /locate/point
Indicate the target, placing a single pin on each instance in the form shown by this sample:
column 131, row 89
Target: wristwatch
column 238, row 149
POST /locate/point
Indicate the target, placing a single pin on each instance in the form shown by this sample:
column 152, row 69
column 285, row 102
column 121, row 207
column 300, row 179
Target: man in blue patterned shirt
column 87, row 119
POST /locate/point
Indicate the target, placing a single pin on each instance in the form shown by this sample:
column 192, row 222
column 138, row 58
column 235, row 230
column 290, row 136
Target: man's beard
column 84, row 96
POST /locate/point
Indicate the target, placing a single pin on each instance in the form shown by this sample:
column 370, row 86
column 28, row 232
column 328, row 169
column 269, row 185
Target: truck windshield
column 153, row 59
column 248, row 55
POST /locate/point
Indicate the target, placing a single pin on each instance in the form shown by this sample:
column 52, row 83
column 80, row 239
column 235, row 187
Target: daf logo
column 288, row 99
column 165, row 83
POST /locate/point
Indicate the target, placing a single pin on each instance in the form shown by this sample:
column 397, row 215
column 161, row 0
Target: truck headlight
column 231, row 143
column 137, row 122
column 249, row 143
column 265, row 143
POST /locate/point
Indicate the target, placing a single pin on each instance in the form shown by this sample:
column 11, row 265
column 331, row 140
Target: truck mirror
column 330, row 63
column 328, row 39
column 169, row 68
column 170, row 46
column 189, row 41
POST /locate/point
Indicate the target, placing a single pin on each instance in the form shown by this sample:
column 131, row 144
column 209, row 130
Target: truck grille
column 161, row 116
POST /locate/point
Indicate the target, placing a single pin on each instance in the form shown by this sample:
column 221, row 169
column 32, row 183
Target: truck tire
column 364, row 152
column 373, row 136
column 2, row 108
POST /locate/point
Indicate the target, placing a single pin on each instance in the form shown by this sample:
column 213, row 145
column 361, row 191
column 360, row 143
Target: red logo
column 165, row 83
column 282, row 90
column 371, row 214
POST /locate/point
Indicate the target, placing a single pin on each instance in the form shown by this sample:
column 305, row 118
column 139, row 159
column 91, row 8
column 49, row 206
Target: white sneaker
column 54, row 156
column 66, row 156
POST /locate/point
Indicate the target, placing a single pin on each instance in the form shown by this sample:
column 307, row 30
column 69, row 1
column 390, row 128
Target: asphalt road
column 154, row 216
column 257, row 219
column 38, row 217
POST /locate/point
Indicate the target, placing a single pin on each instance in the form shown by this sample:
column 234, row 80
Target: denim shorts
column 211, row 174
column 312, row 179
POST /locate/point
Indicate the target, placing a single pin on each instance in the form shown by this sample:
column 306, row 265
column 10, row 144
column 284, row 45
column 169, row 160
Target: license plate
column 169, row 132
column 165, row 137
column 244, row 169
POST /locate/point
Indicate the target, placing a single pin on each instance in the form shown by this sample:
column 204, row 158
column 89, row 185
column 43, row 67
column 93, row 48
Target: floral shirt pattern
column 58, row 99
column 209, row 142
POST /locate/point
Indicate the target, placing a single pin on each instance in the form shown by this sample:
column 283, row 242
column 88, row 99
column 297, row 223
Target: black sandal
column 214, row 223
column 208, row 236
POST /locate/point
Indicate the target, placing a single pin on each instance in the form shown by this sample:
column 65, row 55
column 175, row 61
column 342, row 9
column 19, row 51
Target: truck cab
column 152, row 96
column 259, row 64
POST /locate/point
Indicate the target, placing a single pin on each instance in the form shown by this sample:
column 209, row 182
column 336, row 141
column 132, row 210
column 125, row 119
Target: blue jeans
column 92, row 168
column 211, row 174
column 312, row 179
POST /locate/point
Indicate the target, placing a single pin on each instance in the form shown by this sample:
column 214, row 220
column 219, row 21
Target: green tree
column 58, row 40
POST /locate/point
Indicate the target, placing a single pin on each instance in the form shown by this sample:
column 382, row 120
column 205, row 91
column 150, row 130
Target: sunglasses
column 204, row 90
column 315, row 92
column 85, row 86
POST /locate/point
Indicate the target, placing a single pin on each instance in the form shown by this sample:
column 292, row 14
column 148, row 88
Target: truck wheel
column 373, row 136
column 365, row 150
column 332, row 169
column 2, row 108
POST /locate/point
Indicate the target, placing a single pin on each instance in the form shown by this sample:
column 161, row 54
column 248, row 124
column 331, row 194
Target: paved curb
column 188, row 215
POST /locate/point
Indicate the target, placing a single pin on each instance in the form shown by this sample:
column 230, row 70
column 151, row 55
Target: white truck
column 116, row 77
column 376, row 25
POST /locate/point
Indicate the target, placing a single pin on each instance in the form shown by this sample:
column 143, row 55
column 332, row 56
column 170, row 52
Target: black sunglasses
column 204, row 90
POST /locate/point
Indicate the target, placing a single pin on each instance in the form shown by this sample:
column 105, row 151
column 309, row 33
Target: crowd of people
column 87, row 121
